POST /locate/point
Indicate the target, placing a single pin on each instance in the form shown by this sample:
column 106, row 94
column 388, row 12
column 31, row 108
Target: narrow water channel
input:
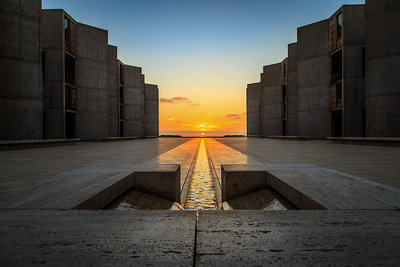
column 201, row 193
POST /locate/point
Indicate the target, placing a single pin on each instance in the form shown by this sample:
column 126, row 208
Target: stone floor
column 190, row 238
column 378, row 163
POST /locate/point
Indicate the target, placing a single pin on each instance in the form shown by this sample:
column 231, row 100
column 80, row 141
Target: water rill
column 201, row 193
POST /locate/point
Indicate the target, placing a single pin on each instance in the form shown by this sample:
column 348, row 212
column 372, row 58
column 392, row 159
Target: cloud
column 177, row 100
column 239, row 116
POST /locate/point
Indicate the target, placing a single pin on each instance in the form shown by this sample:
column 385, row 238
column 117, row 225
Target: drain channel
column 201, row 193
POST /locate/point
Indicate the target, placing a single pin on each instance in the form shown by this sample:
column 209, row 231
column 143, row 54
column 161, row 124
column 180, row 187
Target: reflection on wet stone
column 201, row 193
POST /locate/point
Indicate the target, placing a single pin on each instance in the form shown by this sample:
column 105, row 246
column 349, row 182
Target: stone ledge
column 93, row 187
column 309, row 187
column 25, row 144
column 369, row 141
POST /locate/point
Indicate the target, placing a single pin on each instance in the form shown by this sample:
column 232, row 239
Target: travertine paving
column 23, row 167
column 254, row 238
column 97, row 238
column 376, row 163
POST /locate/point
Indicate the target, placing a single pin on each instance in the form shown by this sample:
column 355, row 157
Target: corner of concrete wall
column 21, row 96
column 151, row 115
column 253, row 95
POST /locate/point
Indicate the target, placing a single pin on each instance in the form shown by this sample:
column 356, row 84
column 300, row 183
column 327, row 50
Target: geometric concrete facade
column 313, row 80
column 87, row 92
column 271, row 99
column 253, row 93
column 339, row 79
column 382, row 67
column 151, row 110
column 21, row 97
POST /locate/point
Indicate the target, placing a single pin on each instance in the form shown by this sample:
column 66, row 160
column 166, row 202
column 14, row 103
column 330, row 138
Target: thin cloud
column 177, row 100
column 239, row 116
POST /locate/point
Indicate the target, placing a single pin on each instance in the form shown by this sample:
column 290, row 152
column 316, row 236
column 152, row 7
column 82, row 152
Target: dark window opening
column 336, row 66
column 336, row 123
column 364, row 124
column 69, row 69
column 284, row 127
column 121, row 112
column 121, row 128
column 284, row 93
column 338, row 91
column 70, row 98
column 43, row 66
column 70, row 129
column 284, row 72
column 44, row 125
column 121, row 94
column 363, row 62
column 121, row 74
column 339, row 26
column 67, row 29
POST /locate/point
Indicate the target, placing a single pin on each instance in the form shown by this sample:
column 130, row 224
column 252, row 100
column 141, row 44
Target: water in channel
column 201, row 193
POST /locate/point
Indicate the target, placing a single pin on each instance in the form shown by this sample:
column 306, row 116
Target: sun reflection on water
column 201, row 193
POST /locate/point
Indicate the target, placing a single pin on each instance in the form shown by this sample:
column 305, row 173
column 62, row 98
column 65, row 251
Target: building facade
column 21, row 96
column 69, row 82
column 338, row 79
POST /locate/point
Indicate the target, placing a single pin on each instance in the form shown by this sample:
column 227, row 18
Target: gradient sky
column 202, row 54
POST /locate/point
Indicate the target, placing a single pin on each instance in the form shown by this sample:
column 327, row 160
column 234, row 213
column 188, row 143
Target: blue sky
column 195, row 48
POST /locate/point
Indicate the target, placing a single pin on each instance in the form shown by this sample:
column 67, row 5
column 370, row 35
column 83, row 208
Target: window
column 43, row 66
column 336, row 66
column 121, row 94
column 70, row 98
column 363, row 62
column 121, row 128
column 338, row 91
column 67, row 29
column 339, row 25
column 69, row 69
column 284, row 93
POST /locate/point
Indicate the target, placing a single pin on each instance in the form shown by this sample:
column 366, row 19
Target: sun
column 202, row 134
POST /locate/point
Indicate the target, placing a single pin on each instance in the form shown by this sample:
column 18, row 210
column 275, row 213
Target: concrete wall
column 21, row 97
column 113, row 89
column 134, row 101
column 271, row 100
column 382, row 27
column 92, row 75
column 292, row 100
column 253, row 99
column 313, row 80
column 53, row 81
column 353, row 82
column 151, row 110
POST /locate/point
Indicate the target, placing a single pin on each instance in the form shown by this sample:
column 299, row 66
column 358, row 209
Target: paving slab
column 97, row 238
column 92, row 187
column 27, row 166
column 376, row 163
column 310, row 187
column 184, row 155
column 293, row 237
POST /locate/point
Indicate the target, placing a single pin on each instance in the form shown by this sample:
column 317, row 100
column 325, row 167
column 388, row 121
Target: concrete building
column 151, row 110
column 81, row 89
column 21, row 97
column 382, row 23
column 323, row 79
column 292, row 103
column 271, row 100
column 253, row 93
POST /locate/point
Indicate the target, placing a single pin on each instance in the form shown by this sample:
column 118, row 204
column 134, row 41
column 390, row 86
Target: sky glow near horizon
column 201, row 54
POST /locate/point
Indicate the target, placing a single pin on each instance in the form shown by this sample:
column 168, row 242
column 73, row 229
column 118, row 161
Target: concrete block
column 10, row 78
column 10, row 35
column 164, row 184
column 382, row 76
column 111, row 238
column 240, row 180
column 313, row 40
column 30, row 39
column 30, row 80
column 382, row 116
column 297, row 238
